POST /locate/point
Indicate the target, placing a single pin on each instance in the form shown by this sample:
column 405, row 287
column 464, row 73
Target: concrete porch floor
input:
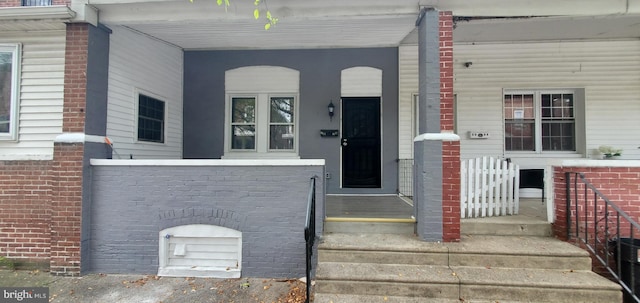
column 395, row 207
column 381, row 207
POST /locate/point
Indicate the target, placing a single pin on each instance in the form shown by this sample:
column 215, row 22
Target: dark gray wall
column 132, row 204
column 97, row 81
column 95, row 124
column 204, row 106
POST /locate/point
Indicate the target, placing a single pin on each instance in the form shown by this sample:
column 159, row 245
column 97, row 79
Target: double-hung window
column 9, row 84
column 151, row 117
column 262, row 123
column 261, row 112
column 540, row 121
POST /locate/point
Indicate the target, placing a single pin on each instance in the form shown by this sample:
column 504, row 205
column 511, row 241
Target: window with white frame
column 540, row 121
column 151, row 117
column 261, row 112
column 9, row 83
column 262, row 123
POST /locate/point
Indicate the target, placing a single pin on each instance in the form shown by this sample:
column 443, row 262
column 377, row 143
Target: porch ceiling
column 337, row 23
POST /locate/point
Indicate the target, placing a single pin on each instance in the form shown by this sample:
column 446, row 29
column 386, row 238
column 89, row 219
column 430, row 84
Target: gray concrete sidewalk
column 153, row 289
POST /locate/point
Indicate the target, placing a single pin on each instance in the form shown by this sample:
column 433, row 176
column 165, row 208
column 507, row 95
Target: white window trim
column 137, row 93
column 14, row 114
column 538, row 121
column 262, row 123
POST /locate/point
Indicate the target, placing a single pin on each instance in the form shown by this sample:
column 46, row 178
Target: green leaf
column 256, row 13
column 219, row 2
column 226, row 3
column 269, row 15
column 267, row 26
column 256, row 3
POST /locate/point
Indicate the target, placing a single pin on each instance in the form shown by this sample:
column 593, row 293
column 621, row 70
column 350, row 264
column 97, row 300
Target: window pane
column 150, row 119
column 519, row 136
column 519, row 107
column 558, row 136
column 557, row 106
column 243, row 137
column 281, row 110
column 281, row 137
column 5, row 90
column 243, row 110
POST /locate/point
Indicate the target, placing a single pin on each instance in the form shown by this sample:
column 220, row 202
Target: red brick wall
column 621, row 185
column 25, row 189
column 10, row 3
column 66, row 203
column 450, row 150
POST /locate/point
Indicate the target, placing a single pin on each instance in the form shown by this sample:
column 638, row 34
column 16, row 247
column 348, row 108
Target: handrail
column 310, row 232
column 602, row 226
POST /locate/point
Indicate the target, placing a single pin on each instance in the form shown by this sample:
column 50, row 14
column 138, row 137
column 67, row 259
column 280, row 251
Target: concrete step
column 341, row 298
column 370, row 225
column 426, row 281
column 535, row 285
column 506, row 226
column 464, row 283
column 479, row 251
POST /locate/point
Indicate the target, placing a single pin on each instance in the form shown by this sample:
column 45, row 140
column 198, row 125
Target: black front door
column 361, row 142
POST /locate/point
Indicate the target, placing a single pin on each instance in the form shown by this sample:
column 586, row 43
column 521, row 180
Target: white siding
column 139, row 63
column 608, row 71
column 408, row 87
column 41, row 94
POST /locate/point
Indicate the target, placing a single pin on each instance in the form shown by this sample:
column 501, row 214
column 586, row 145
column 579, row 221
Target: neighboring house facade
column 219, row 125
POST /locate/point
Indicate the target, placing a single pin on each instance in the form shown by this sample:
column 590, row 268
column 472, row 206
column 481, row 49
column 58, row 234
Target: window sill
column 256, row 155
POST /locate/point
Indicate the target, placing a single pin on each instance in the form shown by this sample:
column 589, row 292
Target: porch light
column 331, row 108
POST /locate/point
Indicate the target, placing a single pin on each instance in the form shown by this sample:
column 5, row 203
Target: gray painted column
column 428, row 153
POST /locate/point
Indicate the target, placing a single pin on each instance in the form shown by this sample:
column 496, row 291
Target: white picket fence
column 489, row 187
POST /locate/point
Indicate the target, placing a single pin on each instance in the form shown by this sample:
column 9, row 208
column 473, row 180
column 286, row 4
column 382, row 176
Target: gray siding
column 204, row 102
column 132, row 204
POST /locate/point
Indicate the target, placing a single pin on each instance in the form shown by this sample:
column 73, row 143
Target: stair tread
column 344, row 298
column 528, row 277
column 515, row 277
column 507, row 245
column 385, row 272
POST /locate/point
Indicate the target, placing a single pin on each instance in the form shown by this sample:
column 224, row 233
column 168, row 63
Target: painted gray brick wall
column 132, row 204
column 428, row 154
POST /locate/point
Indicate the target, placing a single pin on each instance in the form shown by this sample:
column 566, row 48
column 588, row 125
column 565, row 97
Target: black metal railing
column 36, row 2
column 310, row 232
column 607, row 231
column 405, row 172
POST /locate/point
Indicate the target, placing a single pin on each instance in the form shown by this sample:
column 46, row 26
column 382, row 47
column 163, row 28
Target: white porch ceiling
column 348, row 24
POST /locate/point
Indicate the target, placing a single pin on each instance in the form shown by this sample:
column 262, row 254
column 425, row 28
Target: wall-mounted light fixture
column 332, row 109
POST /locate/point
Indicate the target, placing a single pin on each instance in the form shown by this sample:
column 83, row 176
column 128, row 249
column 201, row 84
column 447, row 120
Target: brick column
column 450, row 149
column 437, row 149
column 66, row 203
